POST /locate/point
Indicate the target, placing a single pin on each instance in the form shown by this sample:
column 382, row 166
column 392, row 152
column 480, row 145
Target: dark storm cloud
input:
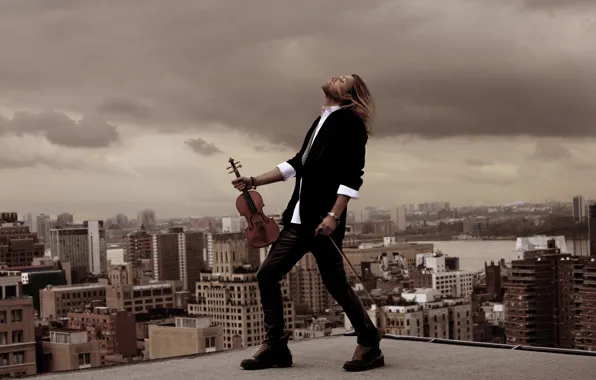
column 437, row 69
column 202, row 147
column 123, row 108
column 60, row 129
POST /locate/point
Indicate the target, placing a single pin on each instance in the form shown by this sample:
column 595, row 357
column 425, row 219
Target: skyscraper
column 592, row 229
column 578, row 209
column 83, row 245
column 178, row 255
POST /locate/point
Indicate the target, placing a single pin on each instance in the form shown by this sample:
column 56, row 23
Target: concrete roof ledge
column 323, row 358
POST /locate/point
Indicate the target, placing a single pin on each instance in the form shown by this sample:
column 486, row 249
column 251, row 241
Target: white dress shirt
column 288, row 172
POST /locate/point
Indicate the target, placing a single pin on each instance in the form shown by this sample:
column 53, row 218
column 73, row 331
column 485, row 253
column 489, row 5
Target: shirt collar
column 329, row 108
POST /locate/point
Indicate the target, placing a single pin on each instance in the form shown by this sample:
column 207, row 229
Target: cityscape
column 94, row 293
column 161, row 161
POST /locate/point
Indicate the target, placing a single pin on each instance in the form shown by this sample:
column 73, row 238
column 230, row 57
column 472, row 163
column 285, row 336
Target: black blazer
column 336, row 158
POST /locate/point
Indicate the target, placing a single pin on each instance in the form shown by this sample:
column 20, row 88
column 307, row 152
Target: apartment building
column 138, row 251
column 17, row 330
column 113, row 329
column 372, row 251
column 178, row 255
column 18, row 245
column 83, row 245
column 586, row 328
column 428, row 313
column 57, row 301
column 69, row 349
column 188, row 335
column 142, row 298
column 307, row 290
column 230, row 295
column 451, row 283
column 548, row 299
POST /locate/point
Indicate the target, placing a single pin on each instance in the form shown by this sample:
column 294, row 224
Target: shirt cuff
column 344, row 190
column 287, row 170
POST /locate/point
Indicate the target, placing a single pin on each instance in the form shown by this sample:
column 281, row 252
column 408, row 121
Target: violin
column 262, row 230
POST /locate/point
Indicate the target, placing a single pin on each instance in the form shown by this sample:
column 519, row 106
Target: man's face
column 338, row 87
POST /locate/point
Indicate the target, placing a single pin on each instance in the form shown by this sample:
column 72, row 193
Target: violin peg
column 239, row 166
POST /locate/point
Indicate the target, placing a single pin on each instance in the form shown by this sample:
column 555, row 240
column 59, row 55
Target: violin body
column 262, row 230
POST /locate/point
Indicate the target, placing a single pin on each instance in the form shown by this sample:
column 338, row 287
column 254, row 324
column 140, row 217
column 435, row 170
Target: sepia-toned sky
column 111, row 106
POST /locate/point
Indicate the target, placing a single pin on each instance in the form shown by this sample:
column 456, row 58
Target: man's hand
column 327, row 226
column 242, row 183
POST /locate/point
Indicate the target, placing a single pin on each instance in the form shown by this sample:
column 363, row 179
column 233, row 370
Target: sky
column 111, row 106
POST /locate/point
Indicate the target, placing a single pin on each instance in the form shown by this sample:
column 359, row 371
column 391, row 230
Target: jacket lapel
column 322, row 138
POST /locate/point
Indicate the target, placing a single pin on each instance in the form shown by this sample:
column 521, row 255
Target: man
column 328, row 171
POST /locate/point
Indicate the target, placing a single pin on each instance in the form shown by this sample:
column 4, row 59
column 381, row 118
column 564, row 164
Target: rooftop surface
column 323, row 359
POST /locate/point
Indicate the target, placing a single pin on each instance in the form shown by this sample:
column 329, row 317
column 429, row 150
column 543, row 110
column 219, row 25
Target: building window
column 3, row 337
column 2, row 317
column 85, row 360
column 19, row 357
column 4, row 359
column 16, row 315
column 210, row 342
column 17, row 336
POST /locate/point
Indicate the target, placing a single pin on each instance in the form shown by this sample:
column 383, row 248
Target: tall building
column 587, row 312
column 493, row 280
column 64, row 219
column 578, row 208
column 208, row 250
column 178, row 255
column 83, row 245
column 138, row 251
column 547, row 295
column 592, row 230
column 30, row 220
column 233, row 224
column 307, row 290
column 230, row 294
column 147, row 219
column 18, row 246
column 17, row 330
column 400, row 219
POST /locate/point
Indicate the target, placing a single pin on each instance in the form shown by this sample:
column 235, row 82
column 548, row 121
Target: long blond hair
column 361, row 101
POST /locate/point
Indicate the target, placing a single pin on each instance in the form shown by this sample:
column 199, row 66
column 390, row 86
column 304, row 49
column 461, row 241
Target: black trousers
column 293, row 243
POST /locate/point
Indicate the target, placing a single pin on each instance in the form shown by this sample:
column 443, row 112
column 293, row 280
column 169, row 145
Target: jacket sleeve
column 353, row 139
column 290, row 168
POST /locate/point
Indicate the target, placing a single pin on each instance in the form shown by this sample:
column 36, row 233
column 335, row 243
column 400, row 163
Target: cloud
column 123, row 108
column 202, row 147
column 436, row 68
column 476, row 162
column 60, row 129
column 551, row 151
column 31, row 151
column 559, row 4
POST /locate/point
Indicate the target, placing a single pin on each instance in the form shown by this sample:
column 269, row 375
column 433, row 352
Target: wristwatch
column 334, row 216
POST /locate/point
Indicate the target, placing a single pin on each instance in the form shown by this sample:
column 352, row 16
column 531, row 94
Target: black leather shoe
column 367, row 357
column 272, row 354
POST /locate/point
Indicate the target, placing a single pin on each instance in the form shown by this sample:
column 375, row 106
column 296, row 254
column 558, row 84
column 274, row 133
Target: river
column 474, row 253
